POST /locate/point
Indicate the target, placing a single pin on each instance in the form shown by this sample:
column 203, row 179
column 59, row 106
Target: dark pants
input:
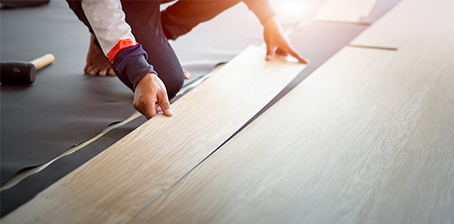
column 153, row 28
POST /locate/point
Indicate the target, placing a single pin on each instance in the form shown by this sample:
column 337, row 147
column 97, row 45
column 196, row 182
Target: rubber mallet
column 23, row 73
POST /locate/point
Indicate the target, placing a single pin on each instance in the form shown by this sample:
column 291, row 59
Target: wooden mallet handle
column 43, row 61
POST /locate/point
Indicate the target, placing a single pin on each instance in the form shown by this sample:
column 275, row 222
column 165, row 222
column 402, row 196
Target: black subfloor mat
column 64, row 107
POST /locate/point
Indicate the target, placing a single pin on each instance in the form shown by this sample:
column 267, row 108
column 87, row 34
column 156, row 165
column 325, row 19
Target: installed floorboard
column 345, row 10
column 408, row 19
column 367, row 138
column 363, row 145
column 130, row 174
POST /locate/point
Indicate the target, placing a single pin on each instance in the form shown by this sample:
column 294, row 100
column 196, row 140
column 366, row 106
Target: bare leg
column 97, row 64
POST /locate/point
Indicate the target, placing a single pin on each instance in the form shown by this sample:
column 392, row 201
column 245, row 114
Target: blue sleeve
column 131, row 65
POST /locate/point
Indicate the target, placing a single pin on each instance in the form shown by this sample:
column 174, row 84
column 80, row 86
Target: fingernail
column 169, row 112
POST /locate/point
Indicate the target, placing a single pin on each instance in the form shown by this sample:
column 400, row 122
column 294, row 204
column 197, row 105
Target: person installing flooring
column 130, row 40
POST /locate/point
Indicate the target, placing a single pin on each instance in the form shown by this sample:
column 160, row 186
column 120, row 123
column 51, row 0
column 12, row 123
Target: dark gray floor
column 65, row 107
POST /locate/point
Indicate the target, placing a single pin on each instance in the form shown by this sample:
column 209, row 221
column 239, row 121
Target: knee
column 174, row 84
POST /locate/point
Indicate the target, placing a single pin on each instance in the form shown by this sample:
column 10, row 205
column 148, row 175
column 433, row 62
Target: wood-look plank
column 132, row 172
column 409, row 18
column 63, row 212
column 367, row 138
column 345, row 10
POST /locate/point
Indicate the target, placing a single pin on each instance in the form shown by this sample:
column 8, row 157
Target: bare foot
column 97, row 64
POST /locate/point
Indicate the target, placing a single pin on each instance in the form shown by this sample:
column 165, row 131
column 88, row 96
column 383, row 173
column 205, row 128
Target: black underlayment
column 65, row 107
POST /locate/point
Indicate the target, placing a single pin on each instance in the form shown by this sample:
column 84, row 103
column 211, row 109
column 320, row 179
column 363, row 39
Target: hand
column 148, row 93
column 277, row 41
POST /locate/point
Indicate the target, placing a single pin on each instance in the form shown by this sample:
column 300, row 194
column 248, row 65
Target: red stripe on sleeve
column 124, row 43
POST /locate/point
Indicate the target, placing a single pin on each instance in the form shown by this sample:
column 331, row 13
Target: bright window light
column 291, row 7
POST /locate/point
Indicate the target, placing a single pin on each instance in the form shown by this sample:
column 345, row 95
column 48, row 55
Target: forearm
column 114, row 35
column 261, row 8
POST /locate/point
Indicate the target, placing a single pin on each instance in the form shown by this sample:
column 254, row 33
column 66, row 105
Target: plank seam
column 374, row 47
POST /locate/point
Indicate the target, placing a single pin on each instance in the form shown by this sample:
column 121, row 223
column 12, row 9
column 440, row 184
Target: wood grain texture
column 409, row 18
column 131, row 173
column 345, row 10
column 367, row 138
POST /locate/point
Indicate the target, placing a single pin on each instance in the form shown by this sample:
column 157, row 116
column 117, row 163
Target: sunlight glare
column 292, row 7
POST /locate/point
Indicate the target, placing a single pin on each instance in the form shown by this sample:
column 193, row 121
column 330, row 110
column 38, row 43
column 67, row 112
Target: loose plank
column 409, row 18
column 345, row 10
column 131, row 173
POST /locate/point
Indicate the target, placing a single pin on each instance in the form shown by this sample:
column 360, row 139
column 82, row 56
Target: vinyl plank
column 69, row 211
column 367, row 138
column 131, row 173
column 345, row 10
column 409, row 18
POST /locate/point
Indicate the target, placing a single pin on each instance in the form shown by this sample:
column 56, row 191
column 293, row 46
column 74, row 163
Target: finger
column 149, row 110
column 269, row 52
column 146, row 108
column 281, row 52
column 300, row 58
column 165, row 104
column 158, row 109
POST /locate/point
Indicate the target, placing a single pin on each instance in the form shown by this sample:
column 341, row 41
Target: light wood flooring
column 367, row 138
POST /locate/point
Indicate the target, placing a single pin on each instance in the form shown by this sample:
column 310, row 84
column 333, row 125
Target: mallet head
column 23, row 73
column 17, row 73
